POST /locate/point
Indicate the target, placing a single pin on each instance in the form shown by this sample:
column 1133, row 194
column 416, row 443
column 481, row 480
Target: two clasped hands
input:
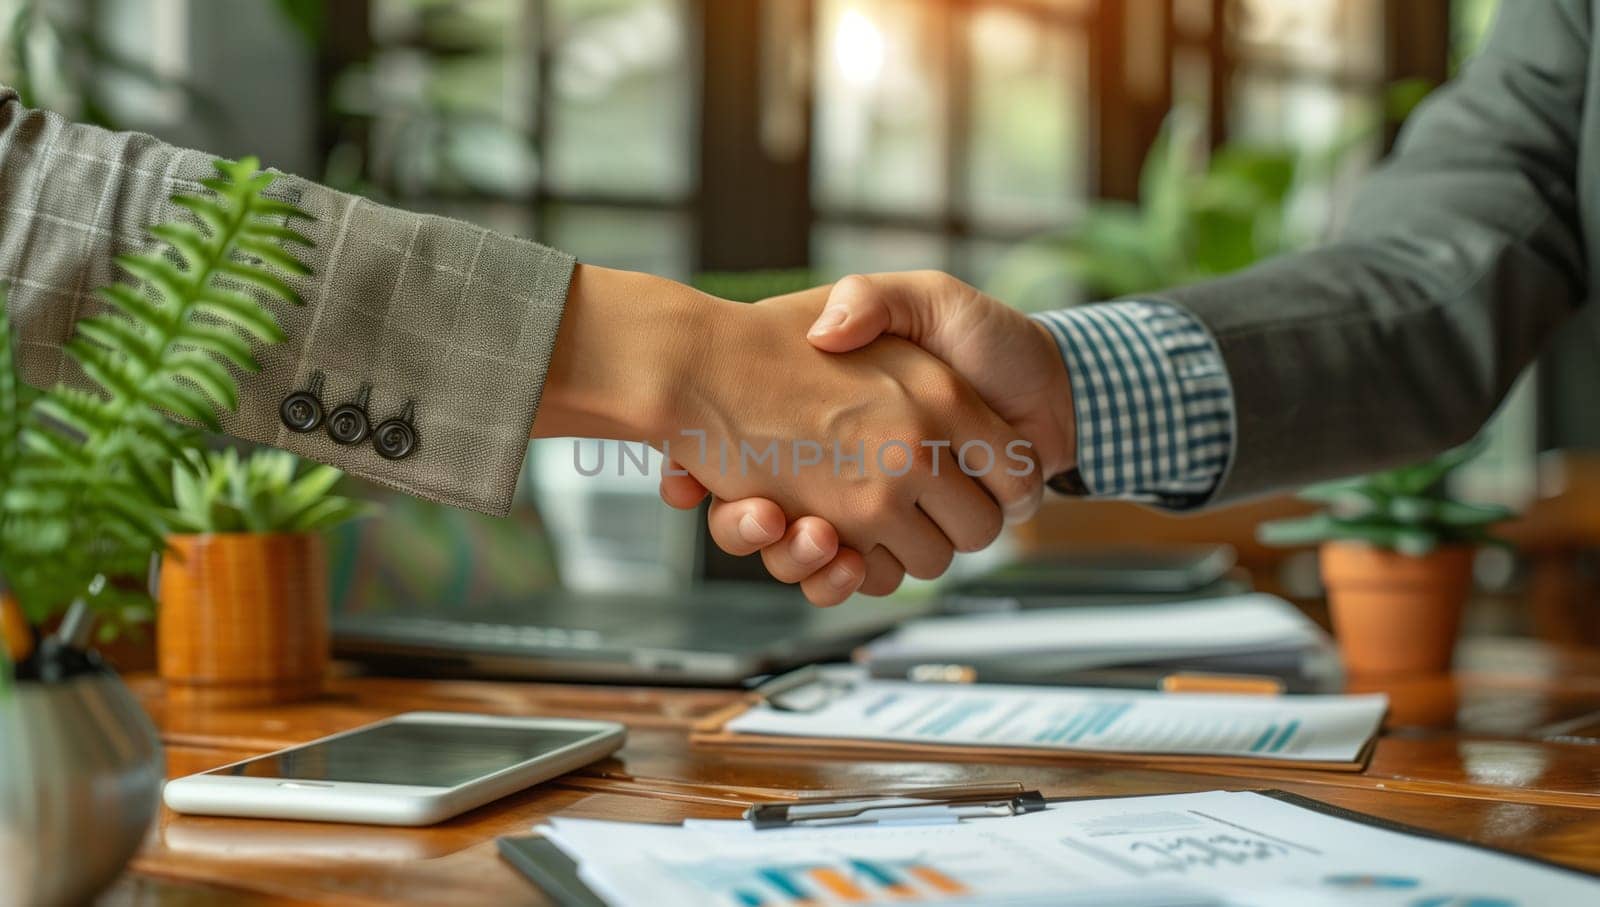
column 851, row 434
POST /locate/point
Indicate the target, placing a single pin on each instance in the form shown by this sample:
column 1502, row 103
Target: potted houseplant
column 244, row 584
column 80, row 505
column 1396, row 556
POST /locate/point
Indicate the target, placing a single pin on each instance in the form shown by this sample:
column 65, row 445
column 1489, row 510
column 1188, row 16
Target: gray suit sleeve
column 458, row 319
column 1459, row 258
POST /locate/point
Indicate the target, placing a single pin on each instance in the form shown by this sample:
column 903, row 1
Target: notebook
column 1253, row 634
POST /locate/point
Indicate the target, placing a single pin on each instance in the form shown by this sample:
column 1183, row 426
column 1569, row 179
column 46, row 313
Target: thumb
column 857, row 312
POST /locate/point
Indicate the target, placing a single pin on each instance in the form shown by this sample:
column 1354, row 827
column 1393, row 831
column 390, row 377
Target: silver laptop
column 424, row 589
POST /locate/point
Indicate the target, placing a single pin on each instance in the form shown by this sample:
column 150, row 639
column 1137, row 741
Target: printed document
column 1216, row 849
column 1287, row 728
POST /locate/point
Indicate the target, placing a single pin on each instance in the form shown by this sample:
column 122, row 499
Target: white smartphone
column 413, row 769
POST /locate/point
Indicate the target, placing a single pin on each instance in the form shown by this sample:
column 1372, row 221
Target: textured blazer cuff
column 457, row 321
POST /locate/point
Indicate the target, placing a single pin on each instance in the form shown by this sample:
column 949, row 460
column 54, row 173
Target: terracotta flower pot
column 243, row 619
column 1395, row 614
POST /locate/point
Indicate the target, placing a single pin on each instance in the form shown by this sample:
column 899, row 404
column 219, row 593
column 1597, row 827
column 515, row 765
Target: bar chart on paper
column 844, row 880
column 1212, row 849
column 1333, row 729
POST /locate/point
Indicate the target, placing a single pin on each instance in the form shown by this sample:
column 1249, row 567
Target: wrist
column 1058, row 448
column 626, row 358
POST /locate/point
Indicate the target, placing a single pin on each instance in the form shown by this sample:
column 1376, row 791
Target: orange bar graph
column 837, row 885
column 936, row 880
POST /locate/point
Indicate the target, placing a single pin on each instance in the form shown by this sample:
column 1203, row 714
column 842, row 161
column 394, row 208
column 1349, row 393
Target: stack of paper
column 1217, row 848
column 1253, row 633
column 853, row 710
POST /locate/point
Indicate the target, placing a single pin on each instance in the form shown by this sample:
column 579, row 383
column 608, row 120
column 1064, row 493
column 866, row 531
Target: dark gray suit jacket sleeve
column 458, row 319
column 1459, row 257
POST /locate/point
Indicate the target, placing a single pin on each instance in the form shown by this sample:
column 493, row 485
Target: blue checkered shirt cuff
column 1153, row 402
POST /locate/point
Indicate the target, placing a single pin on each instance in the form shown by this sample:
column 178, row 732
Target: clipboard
column 812, row 689
column 556, row 874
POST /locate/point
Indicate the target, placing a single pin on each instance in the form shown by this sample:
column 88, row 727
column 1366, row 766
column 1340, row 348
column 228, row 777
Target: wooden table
column 1505, row 752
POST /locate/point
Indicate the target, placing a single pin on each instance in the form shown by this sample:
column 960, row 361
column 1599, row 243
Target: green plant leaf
column 93, row 480
column 243, row 311
column 222, row 341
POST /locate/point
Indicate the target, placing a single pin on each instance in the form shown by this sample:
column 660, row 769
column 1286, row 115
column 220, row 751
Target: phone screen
column 419, row 754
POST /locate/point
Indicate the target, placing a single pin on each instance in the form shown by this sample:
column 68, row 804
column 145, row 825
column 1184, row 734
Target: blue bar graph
column 780, row 880
column 1285, row 735
column 875, row 872
column 1264, row 739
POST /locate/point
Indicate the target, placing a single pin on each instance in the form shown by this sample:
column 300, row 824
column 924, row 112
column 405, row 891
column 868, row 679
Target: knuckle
column 780, row 567
column 933, row 563
column 983, row 528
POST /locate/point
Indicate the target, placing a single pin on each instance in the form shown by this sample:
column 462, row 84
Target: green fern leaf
column 122, row 334
column 189, row 242
column 185, row 401
column 157, row 271
column 209, row 375
column 222, row 341
column 243, row 311
column 134, row 304
column 275, row 233
column 268, row 207
column 214, row 216
column 260, row 279
column 273, row 255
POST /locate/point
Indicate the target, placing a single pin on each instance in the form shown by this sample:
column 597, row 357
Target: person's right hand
column 1012, row 361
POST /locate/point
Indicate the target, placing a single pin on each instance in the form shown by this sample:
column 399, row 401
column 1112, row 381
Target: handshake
column 851, row 434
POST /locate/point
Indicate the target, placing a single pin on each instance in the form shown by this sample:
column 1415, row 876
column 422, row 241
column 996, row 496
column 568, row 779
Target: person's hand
column 1011, row 360
column 880, row 426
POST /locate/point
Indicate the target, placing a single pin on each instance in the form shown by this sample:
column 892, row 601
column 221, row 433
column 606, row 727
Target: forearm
column 623, row 358
column 457, row 320
column 1152, row 402
column 1458, row 258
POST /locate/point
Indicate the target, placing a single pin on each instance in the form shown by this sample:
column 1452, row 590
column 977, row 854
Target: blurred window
column 944, row 129
column 570, row 121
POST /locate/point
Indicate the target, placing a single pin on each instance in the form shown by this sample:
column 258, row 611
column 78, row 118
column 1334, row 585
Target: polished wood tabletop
column 1503, row 752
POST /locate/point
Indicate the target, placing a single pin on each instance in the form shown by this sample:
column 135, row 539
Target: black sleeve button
column 396, row 438
column 348, row 424
column 301, row 411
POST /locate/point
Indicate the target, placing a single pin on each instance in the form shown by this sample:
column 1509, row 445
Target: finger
column 745, row 527
column 809, row 545
column 837, row 581
column 679, row 489
column 918, row 545
column 961, row 508
column 884, row 572
column 1010, row 474
column 857, row 312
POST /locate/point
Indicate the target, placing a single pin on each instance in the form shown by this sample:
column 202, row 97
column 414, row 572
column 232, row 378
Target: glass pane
column 449, row 97
column 1191, row 83
column 513, row 218
column 880, row 106
column 1029, row 142
column 1192, row 17
column 656, row 242
column 1326, row 35
column 1307, row 113
column 621, row 113
column 840, row 249
column 1301, row 111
